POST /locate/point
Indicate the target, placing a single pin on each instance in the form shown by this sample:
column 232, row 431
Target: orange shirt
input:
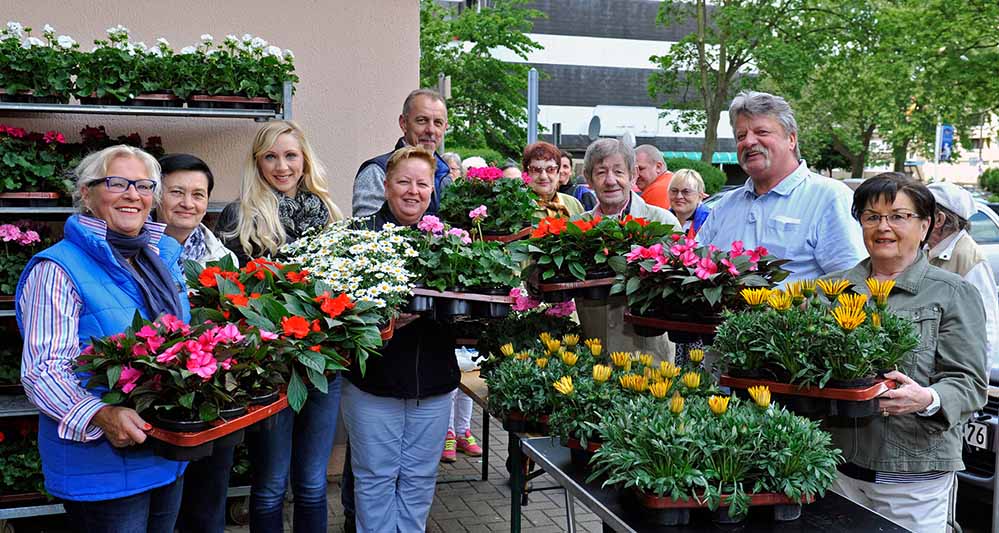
column 657, row 194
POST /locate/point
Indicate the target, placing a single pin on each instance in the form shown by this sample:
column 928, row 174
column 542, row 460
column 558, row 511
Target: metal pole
column 936, row 150
column 532, row 106
column 442, row 90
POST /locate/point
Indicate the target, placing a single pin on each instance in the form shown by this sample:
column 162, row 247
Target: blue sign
column 946, row 142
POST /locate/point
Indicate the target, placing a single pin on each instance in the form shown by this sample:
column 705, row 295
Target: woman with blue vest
column 284, row 193
column 110, row 263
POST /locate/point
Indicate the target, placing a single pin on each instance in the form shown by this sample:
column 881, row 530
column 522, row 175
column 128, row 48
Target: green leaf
column 713, row 294
column 208, row 412
column 318, row 380
column 297, row 393
column 186, row 400
column 113, row 373
column 313, row 360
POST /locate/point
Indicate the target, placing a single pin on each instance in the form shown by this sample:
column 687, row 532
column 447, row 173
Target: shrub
column 491, row 156
column 713, row 177
column 989, row 180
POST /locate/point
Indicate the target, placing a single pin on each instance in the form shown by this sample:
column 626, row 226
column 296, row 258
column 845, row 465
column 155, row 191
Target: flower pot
column 100, row 100
column 420, row 304
column 480, row 309
column 29, row 199
column 263, row 398
column 686, row 337
column 231, row 102
column 515, row 423
column 193, row 453
column 578, row 455
column 232, row 412
column 157, row 99
column 668, row 517
column 787, row 513
column 387, row 330
column 449, row 307
column 722, row 516
column 859, row 383
column 28, row 97
column 169, row 422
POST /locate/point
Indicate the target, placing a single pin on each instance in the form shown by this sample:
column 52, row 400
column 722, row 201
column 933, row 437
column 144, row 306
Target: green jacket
column 950, row 358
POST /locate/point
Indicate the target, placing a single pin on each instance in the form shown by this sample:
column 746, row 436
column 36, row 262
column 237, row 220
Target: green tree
column 488, row 105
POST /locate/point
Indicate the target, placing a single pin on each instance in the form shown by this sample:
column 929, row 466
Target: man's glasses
column 872, row 220
column 117, row 184
column 537, row 170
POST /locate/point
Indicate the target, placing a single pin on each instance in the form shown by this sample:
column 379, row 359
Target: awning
column 718, row 158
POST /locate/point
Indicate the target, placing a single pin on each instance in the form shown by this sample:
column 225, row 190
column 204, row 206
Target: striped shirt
column 50, row 312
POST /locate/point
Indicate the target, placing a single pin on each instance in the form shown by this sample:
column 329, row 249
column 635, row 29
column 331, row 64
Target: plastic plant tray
column 469, row 296
column 254, row 414
column 571, row 285
column 762, row 499
column 509, row 237
column 854, row 395
column 706, row 326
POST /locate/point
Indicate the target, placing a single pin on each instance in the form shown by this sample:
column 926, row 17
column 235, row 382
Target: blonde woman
column 284, row 192
column 686, row 194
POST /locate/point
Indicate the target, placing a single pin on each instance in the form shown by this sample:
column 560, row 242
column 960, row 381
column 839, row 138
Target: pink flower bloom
column 462, row 234
column 431, row 224
column 562, row 309
column 228, row 333
column 208, row 339
column 10, row 232
column 54, row 136
column 478, row 213
column 689, row 258
column 526, row 178
column 200, row 362
column 227, row 364
column 173, row 323
column 731, row 267
column 146, row 332
column 154, row 343
column 523, row 302
column 676, row 237
column 170, row 354
column 156, row 383
column 267, row 335
column 758, row 253
column 139, row 350
column 29, row 237
column 737, row 249
column 712, row 248
column 485, row 173
column 129, row 377
column 640, row 252
column 705, row 268
column 89, row 350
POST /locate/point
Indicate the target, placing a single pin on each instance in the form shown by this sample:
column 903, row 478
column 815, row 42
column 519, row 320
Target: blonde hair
column 94, row 168
column 258, row 226
column 410, row 152
column 689, row 174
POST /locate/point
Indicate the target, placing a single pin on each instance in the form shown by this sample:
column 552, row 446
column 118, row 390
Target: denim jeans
column 396, row 447
column 153, row 511
column 206, row 482
column 299, row 444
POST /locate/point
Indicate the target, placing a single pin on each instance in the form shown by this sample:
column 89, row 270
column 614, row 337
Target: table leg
column 570, row 513
column 516, row 481
column 485, row 445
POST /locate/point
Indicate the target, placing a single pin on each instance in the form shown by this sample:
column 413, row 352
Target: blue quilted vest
column 94, row 471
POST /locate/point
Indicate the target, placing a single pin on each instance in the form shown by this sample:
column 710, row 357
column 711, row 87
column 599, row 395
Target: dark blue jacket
column 441, row 175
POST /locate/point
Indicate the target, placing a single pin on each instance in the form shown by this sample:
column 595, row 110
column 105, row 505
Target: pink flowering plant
column 32, row 161
column 19, row 244
column 450, row 259
column 175, row 370
column 510, row 203
column 682, row 274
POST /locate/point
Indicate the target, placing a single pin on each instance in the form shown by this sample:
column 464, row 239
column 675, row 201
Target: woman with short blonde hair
column 686, row 197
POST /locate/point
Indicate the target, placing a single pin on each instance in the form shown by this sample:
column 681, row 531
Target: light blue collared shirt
column 805, row 218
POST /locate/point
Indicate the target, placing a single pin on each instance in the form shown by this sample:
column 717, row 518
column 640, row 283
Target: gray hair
column 653, row 153
column 601, row 149
column 451, row 157
column 407, row 105
column 94, row 168
column 753, row 103
column 688, row 175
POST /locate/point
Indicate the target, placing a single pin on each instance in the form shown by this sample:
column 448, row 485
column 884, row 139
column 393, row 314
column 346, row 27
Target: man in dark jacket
column 423, row 122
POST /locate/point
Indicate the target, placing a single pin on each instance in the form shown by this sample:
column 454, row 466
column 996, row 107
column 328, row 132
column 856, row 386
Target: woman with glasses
column 541, row 165
column 686, row 194
column 902, row 464
column 110, row 263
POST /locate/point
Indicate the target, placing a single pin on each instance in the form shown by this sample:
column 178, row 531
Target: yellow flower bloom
column 620, row 359
column 645, row 359
column 541, row 362
column 696, row 355
column 570, row 340
column 553, row 346
column 601, row 373
column 780, row 300
column 569, row 358
column 660, row 389
column 808, row 287
column 523, row 356
column 760, row 394
column 755, row 297
column 832, row 288
column 718, row 404
column 564, row 385
column 507, row 349
column 880, row 290
column 876, row 320
column 692, row 380
column 849, row 318
column 795, row 292
column 676, row 403
column 545, row 337
column 633, row 382
column 852, row 301
column 594, row 346
column 669, row 370
column 651, row 374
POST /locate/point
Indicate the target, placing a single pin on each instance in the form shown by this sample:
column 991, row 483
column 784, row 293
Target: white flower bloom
column 288, row 54
column 15, row 28
column 274, row 51
column 66, row 41
column 258, row 43
column 207, row 37
column 231, row 38
column 156, row 52
column 140, row 46
column 162, row 42
column 188, row 50
column 247, row 37
column 32, row 42
column 48, row 30
column 118, row 30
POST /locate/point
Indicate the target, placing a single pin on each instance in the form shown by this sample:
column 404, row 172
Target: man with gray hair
column 653, row 176
column 423, row 122
column 792, row 212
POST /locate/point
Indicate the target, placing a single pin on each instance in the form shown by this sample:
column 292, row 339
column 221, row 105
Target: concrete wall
column 356, row 59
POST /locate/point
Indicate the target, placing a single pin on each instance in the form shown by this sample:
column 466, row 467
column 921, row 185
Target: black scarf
column 300, row 213
column 157, row 285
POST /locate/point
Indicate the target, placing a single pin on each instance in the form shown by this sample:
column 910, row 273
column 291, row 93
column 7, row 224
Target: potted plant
column 111, row 73
column 240, row 72
column 36, row 70
column 528, row 319
column 19, row 245
column 682, row 282
column 32, row 163
column 20, row 464
column 578, row 407
column 510, row 202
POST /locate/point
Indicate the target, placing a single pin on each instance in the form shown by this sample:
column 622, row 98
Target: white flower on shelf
column 258, row 43
column 187, row 50
column 48, row 30
column 32, row 42
column 274, row 51
column 15, row 28
column 207, row 37
column 65, row 41
column 162, row 42
column 288, row 54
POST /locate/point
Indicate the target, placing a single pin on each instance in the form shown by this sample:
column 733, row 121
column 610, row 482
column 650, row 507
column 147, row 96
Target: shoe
column 449, row 455
column 468, row 445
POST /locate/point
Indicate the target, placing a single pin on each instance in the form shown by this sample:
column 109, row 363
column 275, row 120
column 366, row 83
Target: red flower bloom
column 238, row 299
column 334, row 307
column 549, row 226
column 315, row 348
column 295, row 326
column 297, row 277
column 315, row 325
column 207, row 276
column 583, row 225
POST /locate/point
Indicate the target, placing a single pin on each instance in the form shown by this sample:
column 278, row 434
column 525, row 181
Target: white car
column 985, row 231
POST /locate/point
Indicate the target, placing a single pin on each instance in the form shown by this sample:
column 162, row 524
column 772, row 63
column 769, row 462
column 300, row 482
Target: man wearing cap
column 952, row 249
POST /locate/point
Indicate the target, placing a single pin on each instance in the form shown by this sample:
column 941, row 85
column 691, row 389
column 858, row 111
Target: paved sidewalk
column 475, row 506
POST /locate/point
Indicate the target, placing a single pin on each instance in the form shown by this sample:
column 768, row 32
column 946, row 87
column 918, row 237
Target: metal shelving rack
column 11, row 406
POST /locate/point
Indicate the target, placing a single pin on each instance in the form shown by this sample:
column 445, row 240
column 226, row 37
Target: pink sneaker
column 468, row 445
column 449, row 455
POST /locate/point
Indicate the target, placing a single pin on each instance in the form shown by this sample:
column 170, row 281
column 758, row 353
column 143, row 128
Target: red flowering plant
column 317, row 330
column 176, row 371
column 701, row 280
column 562, row 250
column 510, row 202
column 32, row 161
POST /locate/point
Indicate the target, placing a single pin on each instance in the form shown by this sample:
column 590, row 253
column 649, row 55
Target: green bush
column 491, row 156
column 989, row 180
column 713, row 177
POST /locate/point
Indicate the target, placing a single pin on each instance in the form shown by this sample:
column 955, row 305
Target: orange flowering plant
column 318, row 330
column 564, row 249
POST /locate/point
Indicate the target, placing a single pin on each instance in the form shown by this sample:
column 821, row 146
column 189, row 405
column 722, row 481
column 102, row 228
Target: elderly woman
column 686, row 192
column 902, row 465
column 609, row 169
column 187, row 185
column 567, row 183
column 541, row 164
column 284, row 192
column 396, row 413
column 453, row 161
column 110, row 263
